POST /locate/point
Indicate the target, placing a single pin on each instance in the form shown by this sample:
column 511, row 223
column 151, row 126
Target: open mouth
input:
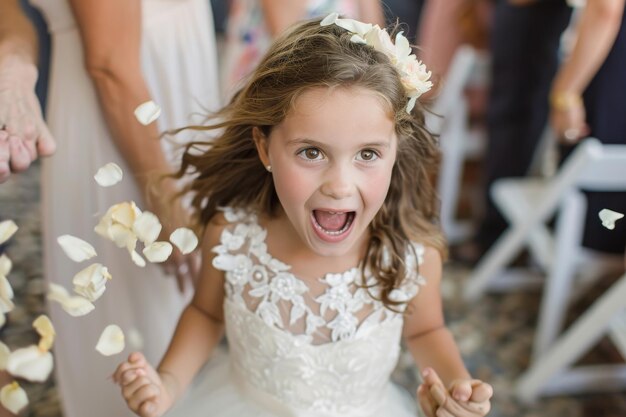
column 333, row 224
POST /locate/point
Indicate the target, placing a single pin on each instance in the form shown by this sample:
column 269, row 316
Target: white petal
column 357, row 39
column 125, row 213
column 13, row 397
column 44, row 327
column 354, row 26
column 184, row 239
column 109, row 175
column 147, row 227
column 147, row 112
column 91, row 281
column 7, row 229
column 76, row 249
column 158, row 251
column 135, row 340
column 111, row 341
column 30, row 363
column 609, row 217
column 3, row 320
column 4, row 356
column 6, row 295
column 122, row 236
column 329, row 20
column 137, row 259
column 5, row 265
column 75, row 306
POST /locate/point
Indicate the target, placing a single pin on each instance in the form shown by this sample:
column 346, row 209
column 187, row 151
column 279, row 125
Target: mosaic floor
column 495, row 334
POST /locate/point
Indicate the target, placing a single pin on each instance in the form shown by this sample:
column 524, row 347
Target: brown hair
column 227, row 171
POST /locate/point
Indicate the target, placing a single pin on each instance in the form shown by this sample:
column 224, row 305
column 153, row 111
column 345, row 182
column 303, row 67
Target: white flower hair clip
column 414, row 75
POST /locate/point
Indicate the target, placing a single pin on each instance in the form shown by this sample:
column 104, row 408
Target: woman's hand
column 146, row 391
column 568, row 117
column 464, row 398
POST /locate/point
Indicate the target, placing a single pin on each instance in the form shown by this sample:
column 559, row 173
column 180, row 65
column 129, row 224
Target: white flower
column 91, row 281
column 285, row 286
column 147, row 112
column 111, row 341
column 13, row 397
column 117, row 225
column 7, row 229
column 137, row 259
column 30, row 363
column 108, row 175
column 381, row 41
column 75, row 306
column 609, row 217
column 158, row 251
column 258, row 276
column 6, row 295
column 184, row 239
column 237, row 267
column 147, row 227
column 45, row 329
column 5, row 265
column 76, row 249
column 343, row 327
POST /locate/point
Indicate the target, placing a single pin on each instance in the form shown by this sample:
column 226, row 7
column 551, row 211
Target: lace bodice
column 326, row 346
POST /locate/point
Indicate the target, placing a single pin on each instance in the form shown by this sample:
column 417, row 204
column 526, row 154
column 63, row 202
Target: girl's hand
column 568, row 117
column 464, row 398
column 143, row 388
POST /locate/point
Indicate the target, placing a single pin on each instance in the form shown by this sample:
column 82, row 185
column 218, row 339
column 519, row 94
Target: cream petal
column 30, row 363
column 147, row 227
column 75, row 306
column 329, row 20
column 111, row 341
column 137, row 259
column 357, row 39
column 7, row 229
column 109, row 175
column 4, row 356
column 91, row 281
column 5, row 265
column 76, row 249
column 125, row 214
column 147, row 112
column 44, row 327
column 135, row 340
column 184, row 239
column 354, row 26
column 122, row 236
column 158, row 251
column 609, row 217
column 13, row 397
column 3, row 320
column 6, row 295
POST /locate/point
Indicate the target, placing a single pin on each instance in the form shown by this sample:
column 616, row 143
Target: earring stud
column 269, row 168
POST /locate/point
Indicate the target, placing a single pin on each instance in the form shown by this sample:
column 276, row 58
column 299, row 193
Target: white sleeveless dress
column 296, row 349
column 178, row 58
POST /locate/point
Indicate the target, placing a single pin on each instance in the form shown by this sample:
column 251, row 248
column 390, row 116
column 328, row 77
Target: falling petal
column 5, row 265
column 109, row 175
column 137, row 259
column 125, row 214
column 6, row 295
column 147, row 227
column 75, row 306
column 4, row 356
column 135, row 340
column 91, row 281
column 7, row 229
column 111, row 341
column 30, row 363
column 184, row 239
column 147, row 112
column 44, row 327
column 609, row 217
column 76, row 249
column 158, row 251
column 13, row 397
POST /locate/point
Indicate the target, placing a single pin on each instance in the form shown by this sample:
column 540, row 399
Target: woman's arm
column 280, row 14
column 17, row 35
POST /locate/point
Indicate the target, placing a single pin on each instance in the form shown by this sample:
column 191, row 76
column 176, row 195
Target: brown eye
column 367, row 155
column 311, row 153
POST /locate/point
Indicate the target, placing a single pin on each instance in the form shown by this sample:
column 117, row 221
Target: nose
column 338, row 182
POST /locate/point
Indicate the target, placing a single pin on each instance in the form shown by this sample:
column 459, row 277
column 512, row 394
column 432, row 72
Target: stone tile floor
column 495, row 334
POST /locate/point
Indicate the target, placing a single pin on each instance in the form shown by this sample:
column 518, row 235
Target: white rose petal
column 30, row 363
column 13, row 397
column 5, row 265
column 135, row 340
column 147, row 227
column 91, row 281
column 44, row 327
column 4, row 356
column 184, row 239
column 6, row 295
column 109, row 175
column 111, row 341
column 125, row 214
column 75, row 306
column 7, row 229
column 76, row 249
column 158, row 251
column 609, row 217
column 147, row 112
column 137, row 259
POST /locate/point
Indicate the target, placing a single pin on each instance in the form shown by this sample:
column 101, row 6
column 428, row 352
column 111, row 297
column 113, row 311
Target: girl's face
column 331, row 160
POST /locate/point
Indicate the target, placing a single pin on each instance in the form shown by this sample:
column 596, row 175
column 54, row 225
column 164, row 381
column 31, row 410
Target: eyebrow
column 315, row 143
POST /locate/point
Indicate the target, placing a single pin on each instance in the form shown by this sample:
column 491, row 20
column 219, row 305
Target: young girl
column 320, row 246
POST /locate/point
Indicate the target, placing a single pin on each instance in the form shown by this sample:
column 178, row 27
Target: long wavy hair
column 226, row 170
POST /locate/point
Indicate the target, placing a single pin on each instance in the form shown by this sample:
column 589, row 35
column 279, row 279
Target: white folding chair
column 528, row 204
column 449, row 120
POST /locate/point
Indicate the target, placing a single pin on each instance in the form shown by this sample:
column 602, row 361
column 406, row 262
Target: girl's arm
column 151, row 393
column 111, row 37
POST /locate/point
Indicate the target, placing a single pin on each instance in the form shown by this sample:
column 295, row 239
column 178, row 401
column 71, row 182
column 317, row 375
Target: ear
column 262, row 145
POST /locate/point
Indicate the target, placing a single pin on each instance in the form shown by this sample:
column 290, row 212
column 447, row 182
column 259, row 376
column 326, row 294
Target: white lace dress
column 301, row 349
